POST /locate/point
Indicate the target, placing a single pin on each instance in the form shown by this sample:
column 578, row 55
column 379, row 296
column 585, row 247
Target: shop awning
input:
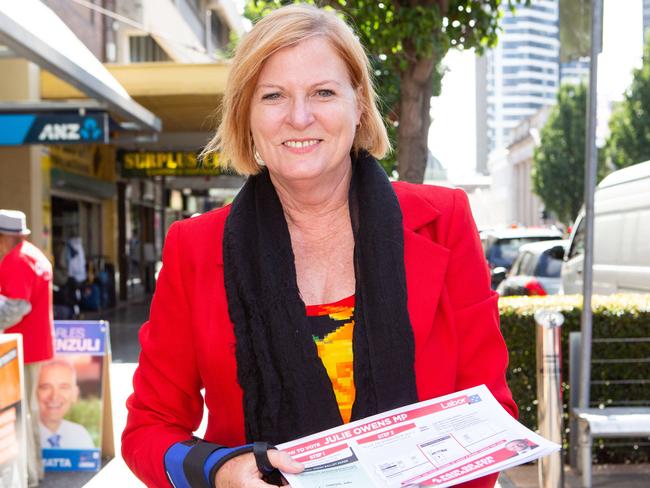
column 31, row 30
column 184, row 96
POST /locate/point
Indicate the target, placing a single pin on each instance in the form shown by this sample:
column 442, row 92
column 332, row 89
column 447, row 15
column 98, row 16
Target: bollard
column 549, row 396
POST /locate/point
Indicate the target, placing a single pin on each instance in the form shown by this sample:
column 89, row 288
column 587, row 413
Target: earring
column 258, row 158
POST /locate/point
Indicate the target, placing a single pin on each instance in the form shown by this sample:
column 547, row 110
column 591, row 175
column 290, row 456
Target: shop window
column 144, row 49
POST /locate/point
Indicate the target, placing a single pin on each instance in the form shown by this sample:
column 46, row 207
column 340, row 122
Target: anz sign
column 53, row 128
column 88, row 130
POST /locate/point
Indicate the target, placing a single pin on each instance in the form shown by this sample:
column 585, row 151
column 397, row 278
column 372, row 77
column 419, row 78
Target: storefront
column 156, row 189
column 82, row 215
column 70, row 200
column 56, row 160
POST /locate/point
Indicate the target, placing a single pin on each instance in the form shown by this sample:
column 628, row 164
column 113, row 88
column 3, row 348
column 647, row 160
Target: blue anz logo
column 90, row 130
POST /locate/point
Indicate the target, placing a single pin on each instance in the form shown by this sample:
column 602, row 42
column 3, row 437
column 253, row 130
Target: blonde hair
column 282, row 28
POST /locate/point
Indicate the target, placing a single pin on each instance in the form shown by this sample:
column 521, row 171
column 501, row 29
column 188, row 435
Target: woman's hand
column 241, row 471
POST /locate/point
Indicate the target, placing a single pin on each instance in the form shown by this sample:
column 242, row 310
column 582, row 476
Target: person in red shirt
column 26, row 308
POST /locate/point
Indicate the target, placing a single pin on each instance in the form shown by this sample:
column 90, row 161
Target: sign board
column 13, row 447
column 53, row 128
column 178, row 163
column 72, row 397
column 92, row 160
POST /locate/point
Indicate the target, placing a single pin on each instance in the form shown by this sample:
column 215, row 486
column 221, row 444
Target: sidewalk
column 608, row 475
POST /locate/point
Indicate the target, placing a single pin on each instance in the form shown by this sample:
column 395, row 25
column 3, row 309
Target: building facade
column 125, row 72
column 575, row 71
column 521, row 75
column 510, row 199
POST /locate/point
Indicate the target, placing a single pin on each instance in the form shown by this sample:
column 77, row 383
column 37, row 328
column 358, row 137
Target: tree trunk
column 416, row 87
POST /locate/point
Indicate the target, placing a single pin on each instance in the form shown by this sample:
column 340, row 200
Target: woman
column 323, row 294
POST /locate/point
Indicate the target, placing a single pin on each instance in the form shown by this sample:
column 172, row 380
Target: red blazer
column 188, row 343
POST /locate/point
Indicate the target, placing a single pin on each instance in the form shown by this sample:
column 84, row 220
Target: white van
column 621, row 236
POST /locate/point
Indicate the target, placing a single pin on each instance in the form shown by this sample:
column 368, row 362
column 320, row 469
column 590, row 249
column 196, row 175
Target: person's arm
column 16, row 282
column 166, row 406
column 196, row 463
column 12, row 311
column 483, row 356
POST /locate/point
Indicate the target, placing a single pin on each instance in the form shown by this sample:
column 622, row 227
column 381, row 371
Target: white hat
column 13, row 222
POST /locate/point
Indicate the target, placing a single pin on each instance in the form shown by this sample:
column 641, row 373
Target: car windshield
column 548, row 266
column 504, row 251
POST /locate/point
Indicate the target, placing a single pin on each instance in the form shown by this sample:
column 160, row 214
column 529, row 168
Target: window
column 548, row 266
column 518, row 44
column 526, row 263
column 527, row 18
column 144, row 49
column 220, row 31
column 502, row 252
column 578, row 242
column 516, row 266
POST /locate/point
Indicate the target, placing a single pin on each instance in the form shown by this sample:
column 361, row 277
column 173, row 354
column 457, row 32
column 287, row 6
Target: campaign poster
column 13, row 448
column 69, row 395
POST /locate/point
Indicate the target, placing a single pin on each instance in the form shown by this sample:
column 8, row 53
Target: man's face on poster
column 57, row 390
column 517, row 445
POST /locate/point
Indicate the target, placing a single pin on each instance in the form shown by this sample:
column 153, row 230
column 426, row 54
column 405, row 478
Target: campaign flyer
column 438, row 442
column 13, row 449
column 69, row 395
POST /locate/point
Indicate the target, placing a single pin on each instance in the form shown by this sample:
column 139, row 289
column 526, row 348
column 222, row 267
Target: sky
column 452, row 137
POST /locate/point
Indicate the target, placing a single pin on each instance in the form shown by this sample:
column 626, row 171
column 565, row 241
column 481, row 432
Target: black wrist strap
column 194, row 462
column 260, row 450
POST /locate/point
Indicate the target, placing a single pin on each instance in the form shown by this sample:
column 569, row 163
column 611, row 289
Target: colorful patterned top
column 332, row 325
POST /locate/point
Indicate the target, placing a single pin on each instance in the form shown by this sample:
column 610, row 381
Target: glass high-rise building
column 575, row 71
column 519, row 76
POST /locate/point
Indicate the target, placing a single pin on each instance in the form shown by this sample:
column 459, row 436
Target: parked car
column 621, row 236
column 501, row 247
column 536, row 270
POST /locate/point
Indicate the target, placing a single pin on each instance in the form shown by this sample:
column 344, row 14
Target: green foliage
column 629, row 140
column 87, row 412
column 559, row 162
column 613, row 316
column 397, row 33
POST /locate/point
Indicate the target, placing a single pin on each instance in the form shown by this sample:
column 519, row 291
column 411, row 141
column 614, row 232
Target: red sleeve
column 166, row 406
column 483, row 356
column 16, row 278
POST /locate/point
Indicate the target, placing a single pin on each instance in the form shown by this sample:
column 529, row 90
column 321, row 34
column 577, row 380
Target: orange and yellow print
column 334, row 344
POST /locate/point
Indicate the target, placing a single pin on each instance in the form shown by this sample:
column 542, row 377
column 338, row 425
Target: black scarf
column 287, row 392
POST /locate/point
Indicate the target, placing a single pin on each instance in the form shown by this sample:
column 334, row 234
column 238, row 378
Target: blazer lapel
column 425, row 262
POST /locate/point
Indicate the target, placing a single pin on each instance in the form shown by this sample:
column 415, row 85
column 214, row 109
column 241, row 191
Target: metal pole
column 549, row 394
column 208, row 33
column 591, row 158
column 123, row 263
